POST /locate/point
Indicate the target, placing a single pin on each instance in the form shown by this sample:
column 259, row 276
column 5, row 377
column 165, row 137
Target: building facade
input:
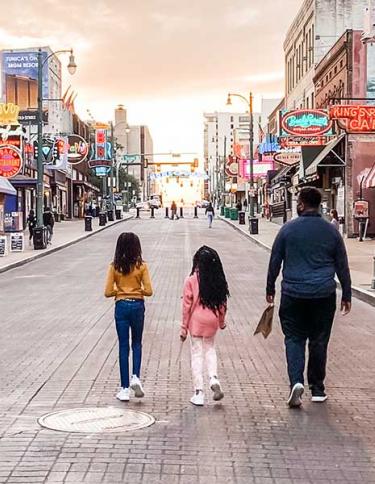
column 316, row 28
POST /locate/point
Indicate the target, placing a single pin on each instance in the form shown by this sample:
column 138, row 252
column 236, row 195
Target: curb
column 359, row 293
column 22, row 262
column 247, row 235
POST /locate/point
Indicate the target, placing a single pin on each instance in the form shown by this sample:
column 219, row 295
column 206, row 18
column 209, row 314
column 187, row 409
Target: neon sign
column 305, row 122
column 354, row 119
column 10, row 161
column 78, row 149
column 9, row 113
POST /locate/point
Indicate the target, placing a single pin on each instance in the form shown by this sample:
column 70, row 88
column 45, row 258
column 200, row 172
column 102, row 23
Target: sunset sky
column 166, row 61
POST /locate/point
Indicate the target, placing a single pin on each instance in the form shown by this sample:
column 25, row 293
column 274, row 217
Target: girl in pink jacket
column 203, row 313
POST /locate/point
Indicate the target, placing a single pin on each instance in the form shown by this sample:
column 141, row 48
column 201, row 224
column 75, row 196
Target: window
column 335, row 70
column 312, row 100
column 307, row 103
column 341, row 64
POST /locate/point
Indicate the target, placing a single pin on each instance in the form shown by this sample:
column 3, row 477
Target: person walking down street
column 128, row 281
column 335, row 219
column 245, row 205
column 49, row 222
column 239, row 206
column 174, row 210
column 210, row 212
column 31, row 223
column 203, row 313
column 311, row 251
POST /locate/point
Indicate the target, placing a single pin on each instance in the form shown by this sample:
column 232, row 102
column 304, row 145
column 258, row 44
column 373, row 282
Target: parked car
column 154, row 202
column 143, row 205
column 202, row 204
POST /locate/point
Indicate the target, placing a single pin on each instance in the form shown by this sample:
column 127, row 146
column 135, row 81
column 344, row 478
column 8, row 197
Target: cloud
column 135, row 51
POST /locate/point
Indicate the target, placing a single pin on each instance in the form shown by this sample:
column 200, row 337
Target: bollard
column 195, row 212
column 102, row 219
column 373, row 276
column 138, row 210
column 166, row 212
column 181, row 212
column 152, row 212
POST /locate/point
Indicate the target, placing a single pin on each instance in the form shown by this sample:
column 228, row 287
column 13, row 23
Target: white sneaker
column 197, row 398
column 123, row 394
column 296, row 393
column 136, row 386
column 216, row 388
column 319, row 398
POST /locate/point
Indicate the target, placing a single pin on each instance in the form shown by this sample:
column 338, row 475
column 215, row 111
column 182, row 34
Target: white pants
column 202, row 349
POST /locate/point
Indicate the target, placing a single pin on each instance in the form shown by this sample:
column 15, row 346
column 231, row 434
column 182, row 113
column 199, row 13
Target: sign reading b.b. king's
column 305, row 122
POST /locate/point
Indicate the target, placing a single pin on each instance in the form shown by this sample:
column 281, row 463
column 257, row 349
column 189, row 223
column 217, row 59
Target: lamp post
column 249, row 103
column 118, row 163
column 40, row 168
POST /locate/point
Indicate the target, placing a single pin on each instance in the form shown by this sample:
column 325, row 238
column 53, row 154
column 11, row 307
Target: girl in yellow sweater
column 128, row 281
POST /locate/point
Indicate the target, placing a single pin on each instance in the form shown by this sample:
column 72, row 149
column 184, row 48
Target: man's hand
column 270, row 299
column 346, row 307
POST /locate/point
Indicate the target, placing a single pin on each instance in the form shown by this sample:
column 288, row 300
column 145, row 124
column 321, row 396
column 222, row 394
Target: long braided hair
column 128, row 254
column 213, row 286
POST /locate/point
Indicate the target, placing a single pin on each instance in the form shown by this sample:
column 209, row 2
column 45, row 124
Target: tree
column 124, row 180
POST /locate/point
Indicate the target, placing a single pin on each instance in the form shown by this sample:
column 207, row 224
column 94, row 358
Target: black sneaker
column 318, row 396
column 295, row 397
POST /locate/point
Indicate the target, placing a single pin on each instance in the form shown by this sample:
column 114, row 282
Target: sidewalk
column 360, row 255
column 65, row 234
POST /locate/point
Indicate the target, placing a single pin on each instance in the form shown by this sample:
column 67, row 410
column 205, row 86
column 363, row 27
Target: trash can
column 253, row 225
column 233, row 214
column 40, row 238
column 88, row 223
column 118, row 213
column 241, row 218
column 102, row 219
column 227, row 212
column 57, row 216
column 222, row 210
column 110, row 216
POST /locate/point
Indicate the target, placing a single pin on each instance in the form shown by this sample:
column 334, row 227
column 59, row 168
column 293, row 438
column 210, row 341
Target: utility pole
column 251, row 155
column 40, row 168
column 113, row 151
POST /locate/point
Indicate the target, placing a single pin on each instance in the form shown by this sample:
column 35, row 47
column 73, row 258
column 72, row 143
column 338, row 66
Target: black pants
column 302, row 320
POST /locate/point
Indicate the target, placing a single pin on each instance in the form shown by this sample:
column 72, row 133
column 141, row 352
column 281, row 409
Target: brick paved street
column 58, row 351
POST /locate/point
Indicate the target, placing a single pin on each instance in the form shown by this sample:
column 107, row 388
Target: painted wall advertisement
column 23, row 65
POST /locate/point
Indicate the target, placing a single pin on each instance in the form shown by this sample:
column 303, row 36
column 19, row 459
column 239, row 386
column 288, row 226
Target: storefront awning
column 87, row 185
column 285, row 171
column 312, row 169
column 370, row 178
column 24, row 181
column 6, row 187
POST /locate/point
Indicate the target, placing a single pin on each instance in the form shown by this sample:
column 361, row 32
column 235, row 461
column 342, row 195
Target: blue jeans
column 129, row 315
column 210, row 219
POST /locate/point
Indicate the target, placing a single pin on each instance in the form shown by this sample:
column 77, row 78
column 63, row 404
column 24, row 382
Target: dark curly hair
column 128, row 253
column 213, row 286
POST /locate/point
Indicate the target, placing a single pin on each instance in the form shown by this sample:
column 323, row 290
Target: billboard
column 20, row 77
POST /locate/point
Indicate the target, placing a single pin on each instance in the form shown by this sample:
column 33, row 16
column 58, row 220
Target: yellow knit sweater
column 134, row 285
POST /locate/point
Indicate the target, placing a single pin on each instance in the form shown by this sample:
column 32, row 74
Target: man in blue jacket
column 311, row 251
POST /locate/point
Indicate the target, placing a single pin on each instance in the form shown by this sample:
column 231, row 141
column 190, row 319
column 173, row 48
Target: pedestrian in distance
column 239, row 206
column 311, row 251
column 31, row 223
column 210, row 212
column 245, row 205
column 128, row 281
column 174, row 210
column 335, row 219
column 203, row 313
column 49, row 222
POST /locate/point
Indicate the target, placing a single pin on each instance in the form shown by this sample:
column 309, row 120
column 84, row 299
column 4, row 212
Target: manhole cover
column 96, row 419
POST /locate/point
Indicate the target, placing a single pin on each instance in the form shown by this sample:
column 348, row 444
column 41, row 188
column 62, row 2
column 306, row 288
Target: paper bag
column 265, row 323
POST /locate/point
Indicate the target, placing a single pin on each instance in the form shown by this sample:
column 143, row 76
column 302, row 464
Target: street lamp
column 72, row 67
column 249, row 103
column 118, row 165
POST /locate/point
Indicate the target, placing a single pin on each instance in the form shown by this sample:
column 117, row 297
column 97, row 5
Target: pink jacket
column 196, row 319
